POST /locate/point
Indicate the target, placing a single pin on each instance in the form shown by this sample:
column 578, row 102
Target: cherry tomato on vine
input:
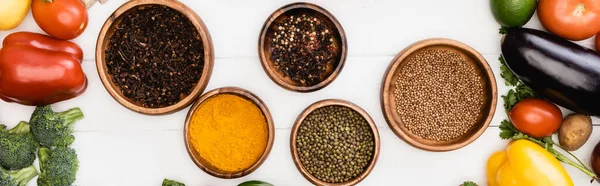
column 536, row 117
column 62, row 19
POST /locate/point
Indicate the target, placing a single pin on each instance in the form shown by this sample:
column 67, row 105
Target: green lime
column 513, row 13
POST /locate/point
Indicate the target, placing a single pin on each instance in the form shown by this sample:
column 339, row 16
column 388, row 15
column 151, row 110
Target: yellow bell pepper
column 525, row 163
column 12, row 13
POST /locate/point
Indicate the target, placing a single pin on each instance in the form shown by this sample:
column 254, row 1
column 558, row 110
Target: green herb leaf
column 524, row 91
column 469, row 183
column 255, row 183
column 510, row 79
column 502, row 30
column 520, row 135
column 507, row 130
column 515, row 95
column 548, row 140
column 510, row 99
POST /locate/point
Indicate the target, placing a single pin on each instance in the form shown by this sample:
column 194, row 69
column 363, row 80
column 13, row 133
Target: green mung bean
column 335, row 144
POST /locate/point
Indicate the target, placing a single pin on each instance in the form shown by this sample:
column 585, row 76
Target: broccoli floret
column 17, row 177
column 17, row 147
column 168, row 182
column 54, row 128
column 58, row 166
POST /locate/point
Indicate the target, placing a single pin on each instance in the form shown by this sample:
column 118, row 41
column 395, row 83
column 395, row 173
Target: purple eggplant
column 557, row 69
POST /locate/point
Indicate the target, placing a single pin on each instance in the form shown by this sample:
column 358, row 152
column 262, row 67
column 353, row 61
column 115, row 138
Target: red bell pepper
column 39, row 70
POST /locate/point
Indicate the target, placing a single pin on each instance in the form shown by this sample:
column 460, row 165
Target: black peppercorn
column 303, row 47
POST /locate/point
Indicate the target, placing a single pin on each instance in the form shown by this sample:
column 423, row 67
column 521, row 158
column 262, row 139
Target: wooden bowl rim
column 206, row 44
column 272, row 73
column 246, row 95
column 392, row 69
column 331, row 102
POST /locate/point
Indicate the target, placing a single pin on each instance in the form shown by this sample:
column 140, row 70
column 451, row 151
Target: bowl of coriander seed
column 334, row 142
column 439, row 95
column 302, row 47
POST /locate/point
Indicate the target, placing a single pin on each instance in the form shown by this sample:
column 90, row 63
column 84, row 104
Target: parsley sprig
column 520, row 90
column 517, row 94
column 469, row 183
column 506, row 74
column 509, row 132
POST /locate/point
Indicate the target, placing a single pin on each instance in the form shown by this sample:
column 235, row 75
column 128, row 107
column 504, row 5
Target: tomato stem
column 48, row 1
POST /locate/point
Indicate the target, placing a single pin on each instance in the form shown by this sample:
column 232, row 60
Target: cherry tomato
column 62, row 19
column 598, row 42
column 570, row 19
column 536, row 117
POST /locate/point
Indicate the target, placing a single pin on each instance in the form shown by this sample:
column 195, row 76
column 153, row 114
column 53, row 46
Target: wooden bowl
column 388, row 102
column 106, row 33
column 324, row 103
column 265, row 49
column 201, row 163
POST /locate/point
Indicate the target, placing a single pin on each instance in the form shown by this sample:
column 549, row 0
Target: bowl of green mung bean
column 334, row 142
column 439, row 95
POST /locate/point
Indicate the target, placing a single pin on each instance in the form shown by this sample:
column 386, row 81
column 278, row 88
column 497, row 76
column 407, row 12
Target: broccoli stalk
column 17, row 177
column 22, row 127
column 54, row 128
column 168, row 182
column 58, row 166
column 17, row 147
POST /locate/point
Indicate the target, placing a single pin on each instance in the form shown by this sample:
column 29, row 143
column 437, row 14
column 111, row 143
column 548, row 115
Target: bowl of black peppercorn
column 334, row 142
column 302, row 47
column 154, row 56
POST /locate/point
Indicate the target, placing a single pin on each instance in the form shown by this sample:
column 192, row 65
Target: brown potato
column 574, row 131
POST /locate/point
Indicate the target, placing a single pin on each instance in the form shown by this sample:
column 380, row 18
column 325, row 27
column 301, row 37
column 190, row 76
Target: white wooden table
column 119, row 147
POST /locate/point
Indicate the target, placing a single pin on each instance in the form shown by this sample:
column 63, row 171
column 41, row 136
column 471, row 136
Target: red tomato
column 570, row 19
column 536, row 117
column 62, row 19
column 598, row 42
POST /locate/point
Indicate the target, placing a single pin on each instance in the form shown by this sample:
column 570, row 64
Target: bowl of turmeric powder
column 229, row 132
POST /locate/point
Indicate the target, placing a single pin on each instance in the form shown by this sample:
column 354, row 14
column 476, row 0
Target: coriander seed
column 439, row 95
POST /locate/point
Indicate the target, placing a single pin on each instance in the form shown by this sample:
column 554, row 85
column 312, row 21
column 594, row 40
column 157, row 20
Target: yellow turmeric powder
column 229, row 132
